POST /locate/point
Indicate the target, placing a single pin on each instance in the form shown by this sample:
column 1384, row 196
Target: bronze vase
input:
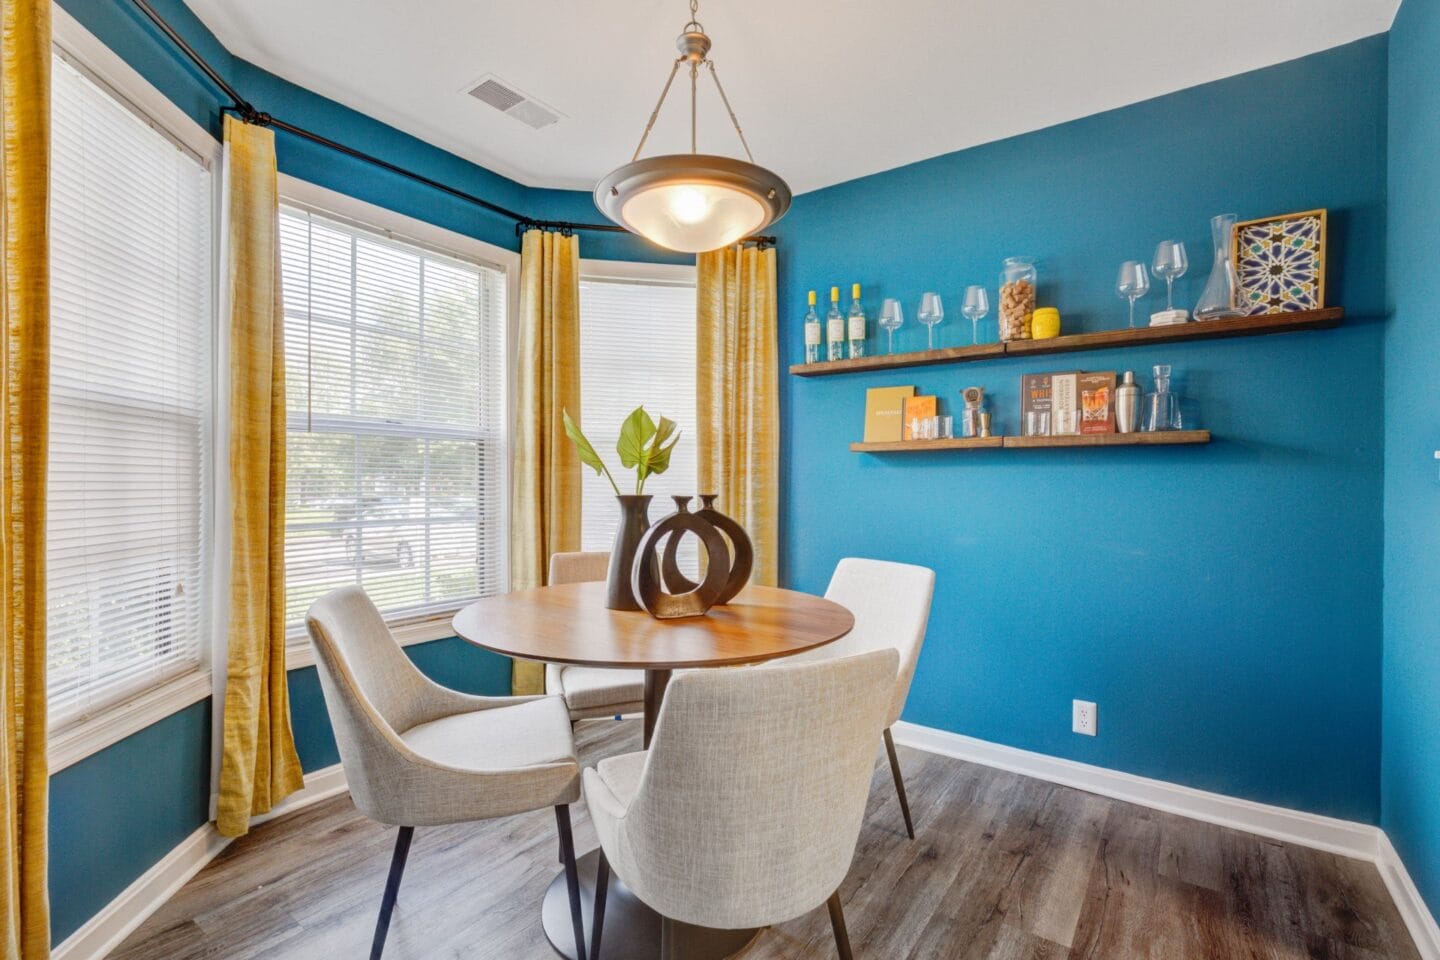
column 634, row 521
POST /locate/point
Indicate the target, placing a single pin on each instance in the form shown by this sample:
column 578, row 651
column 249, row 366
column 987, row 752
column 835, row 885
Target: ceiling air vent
column 511, row 102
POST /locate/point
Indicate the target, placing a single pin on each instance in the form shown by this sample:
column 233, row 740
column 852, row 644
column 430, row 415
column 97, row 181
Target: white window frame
column 83, row 736
column 409, row 630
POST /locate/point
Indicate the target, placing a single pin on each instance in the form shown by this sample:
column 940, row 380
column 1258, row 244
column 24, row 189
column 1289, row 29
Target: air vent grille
column 511, row 102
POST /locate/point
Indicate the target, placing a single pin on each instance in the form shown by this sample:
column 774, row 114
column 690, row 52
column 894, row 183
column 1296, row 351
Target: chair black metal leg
column 392, row 890
column 602, row 888
column 899, row 782
column 837, row 923
column 572, row 875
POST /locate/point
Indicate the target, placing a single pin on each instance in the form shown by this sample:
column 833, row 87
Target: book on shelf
column 916, row 408
column 1064, row 404
column 1097, row 402
column 884, row 410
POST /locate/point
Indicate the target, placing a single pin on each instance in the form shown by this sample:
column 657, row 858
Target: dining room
column 600, row 481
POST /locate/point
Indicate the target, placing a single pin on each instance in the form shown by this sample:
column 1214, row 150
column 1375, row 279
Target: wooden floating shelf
column 889, row 361
column 908, row 446
column 1103, row 340
column 1160, row 439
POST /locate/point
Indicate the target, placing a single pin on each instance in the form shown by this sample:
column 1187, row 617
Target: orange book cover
column 916, row 407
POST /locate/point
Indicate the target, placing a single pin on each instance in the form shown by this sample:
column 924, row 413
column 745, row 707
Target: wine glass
column 1170, row 265
column 1132, row 284
column 975, row 308
column 932, row 311
column 892, row 316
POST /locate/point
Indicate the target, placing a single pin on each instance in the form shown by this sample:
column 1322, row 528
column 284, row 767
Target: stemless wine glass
column 1171, row 262
column 932, row 311
column 1132, row 284
column 891, row 318
column 975, row 308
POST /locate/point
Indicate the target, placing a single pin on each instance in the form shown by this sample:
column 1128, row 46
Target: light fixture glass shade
column 692, row 202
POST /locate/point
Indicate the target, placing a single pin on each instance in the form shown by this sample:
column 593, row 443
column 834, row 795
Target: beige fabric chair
column 591, row 691
column 891, row 604
column 417, row 754
column 746, row 809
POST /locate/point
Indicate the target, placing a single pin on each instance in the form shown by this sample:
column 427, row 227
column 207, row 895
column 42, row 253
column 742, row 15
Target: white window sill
column 89, row 735
column 436, row 626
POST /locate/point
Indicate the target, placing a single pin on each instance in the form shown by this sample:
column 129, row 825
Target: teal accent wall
column 1410, row 782
column 1220, row 603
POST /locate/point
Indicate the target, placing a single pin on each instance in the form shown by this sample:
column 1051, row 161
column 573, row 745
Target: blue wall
column 1410, row 786
column 1220, row 603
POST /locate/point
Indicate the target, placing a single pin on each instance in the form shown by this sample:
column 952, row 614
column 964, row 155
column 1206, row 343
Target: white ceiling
column 826, row 91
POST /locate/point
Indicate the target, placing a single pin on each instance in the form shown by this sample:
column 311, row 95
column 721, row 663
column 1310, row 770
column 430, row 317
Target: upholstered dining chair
column 891, row 605
column 746, row 809
column 591, row 691
column 417, row 754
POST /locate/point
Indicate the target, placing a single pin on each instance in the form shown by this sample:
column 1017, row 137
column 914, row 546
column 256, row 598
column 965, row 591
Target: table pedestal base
column 632, row 930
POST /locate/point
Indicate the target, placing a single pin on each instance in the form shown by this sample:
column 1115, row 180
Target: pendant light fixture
column 692, row 202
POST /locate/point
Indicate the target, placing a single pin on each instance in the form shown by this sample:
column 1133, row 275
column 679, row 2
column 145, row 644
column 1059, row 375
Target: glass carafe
column 1221, row 298
column 1162, row 408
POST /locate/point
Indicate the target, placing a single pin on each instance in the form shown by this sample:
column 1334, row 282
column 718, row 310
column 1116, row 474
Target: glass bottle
column 1162, row 408
column 856, row 323
column 1017, row 297
column 1221, row 298
column 835, row 327
column 812, row 332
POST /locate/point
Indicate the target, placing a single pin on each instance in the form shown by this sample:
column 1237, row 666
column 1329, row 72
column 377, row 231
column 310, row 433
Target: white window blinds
column 637, row 348
column 130, row 439
column 395, row 368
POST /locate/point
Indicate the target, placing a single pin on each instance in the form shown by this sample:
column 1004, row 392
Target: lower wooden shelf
column 1164, row 438
column 919, row 446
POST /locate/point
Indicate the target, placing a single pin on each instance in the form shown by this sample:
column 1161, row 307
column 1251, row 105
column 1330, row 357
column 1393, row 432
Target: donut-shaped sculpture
column 741, row 554
column 645, row 578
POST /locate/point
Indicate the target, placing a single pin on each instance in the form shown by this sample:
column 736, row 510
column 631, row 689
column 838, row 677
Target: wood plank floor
column 1004, row 867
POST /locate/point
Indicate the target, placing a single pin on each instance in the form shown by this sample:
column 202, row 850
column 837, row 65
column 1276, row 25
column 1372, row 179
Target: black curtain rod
column 248, row 113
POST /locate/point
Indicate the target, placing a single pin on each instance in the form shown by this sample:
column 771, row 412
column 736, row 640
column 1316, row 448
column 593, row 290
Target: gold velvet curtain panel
column 738, row 428
column 25, row 411
column 545, row 473
column 259, row 766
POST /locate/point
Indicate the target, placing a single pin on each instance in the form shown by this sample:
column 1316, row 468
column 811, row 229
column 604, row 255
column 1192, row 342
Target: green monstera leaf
column 644, row 446
column 587, row 453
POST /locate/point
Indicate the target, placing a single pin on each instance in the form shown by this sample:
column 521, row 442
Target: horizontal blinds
column 130, row 229
column 396, row 394
column 637, row 348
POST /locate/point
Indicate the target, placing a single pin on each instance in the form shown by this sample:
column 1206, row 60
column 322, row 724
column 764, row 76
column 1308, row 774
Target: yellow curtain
column 545, row 475
column 258, row 765
column 24, row 409
column 738, row 419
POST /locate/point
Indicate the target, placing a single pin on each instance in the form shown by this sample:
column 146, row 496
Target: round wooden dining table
column 570, row 624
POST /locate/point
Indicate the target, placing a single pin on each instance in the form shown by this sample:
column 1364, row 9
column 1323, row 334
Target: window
column 637, row 348
column 397, row 460
column 130, row 431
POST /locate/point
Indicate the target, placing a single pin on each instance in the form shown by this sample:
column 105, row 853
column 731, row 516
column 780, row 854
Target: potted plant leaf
column 645, row 447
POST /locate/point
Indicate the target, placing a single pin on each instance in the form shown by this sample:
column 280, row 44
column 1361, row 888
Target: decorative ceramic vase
column 634, row 521
column 741, row 554
column 645, row 578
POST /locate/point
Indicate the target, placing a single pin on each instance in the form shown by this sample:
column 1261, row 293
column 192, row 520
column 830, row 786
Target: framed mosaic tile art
column 1280, row 262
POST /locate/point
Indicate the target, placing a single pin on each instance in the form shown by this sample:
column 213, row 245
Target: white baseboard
column 1348, row 838
column 105, row 931
column 1408, row 901
column 108, row 929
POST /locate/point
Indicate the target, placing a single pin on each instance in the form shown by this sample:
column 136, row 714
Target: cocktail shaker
column 1127, row 404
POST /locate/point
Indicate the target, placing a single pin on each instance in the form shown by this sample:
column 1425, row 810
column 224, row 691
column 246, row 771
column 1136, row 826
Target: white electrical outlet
column 1083, row 717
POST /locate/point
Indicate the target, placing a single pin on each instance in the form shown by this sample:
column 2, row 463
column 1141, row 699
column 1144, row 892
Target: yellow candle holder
column 1045, row 323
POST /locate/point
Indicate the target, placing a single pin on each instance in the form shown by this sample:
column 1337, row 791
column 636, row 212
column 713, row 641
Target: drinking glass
column 974, row 309
column 932, row 311
column 1132, row 284
column 1171, row 262
column 892, row 316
